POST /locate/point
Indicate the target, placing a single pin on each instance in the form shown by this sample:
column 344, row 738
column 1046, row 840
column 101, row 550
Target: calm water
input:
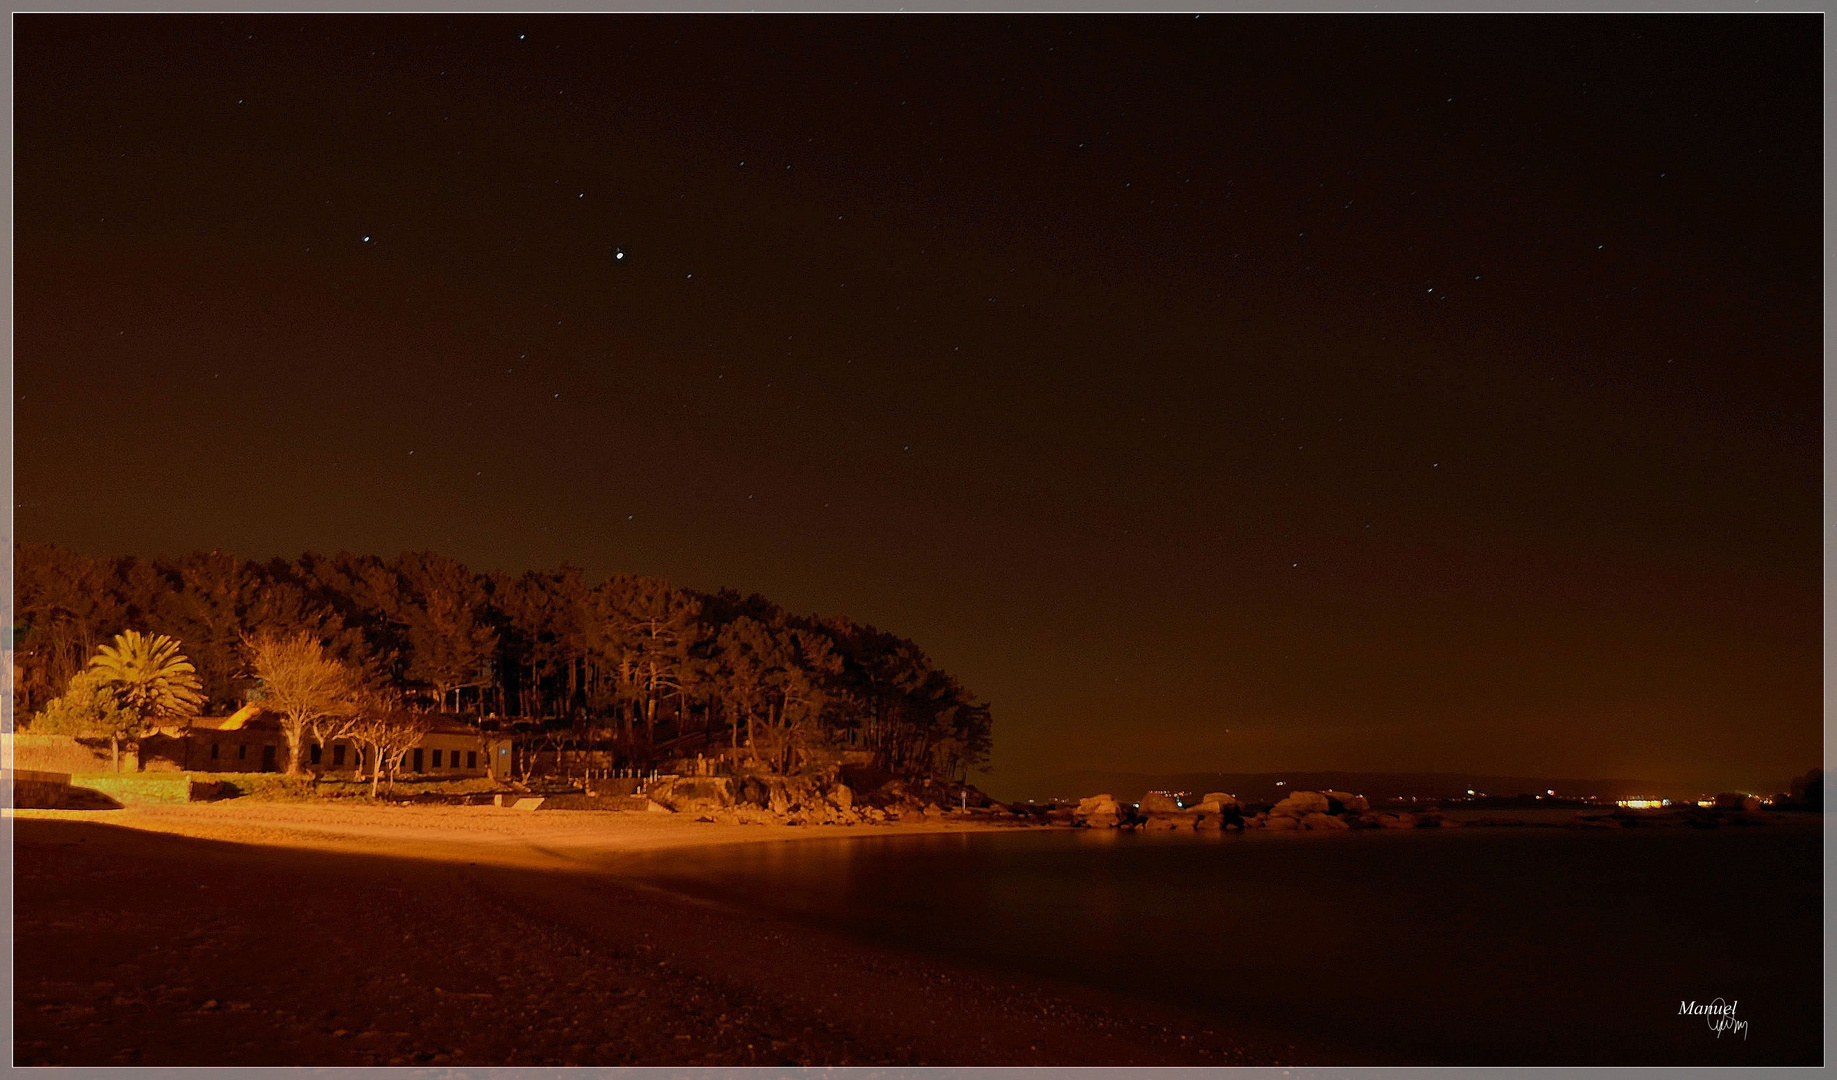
column 1481, row 946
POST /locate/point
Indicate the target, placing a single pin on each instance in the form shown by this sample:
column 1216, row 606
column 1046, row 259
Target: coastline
column 139, row 943
column 542, row 839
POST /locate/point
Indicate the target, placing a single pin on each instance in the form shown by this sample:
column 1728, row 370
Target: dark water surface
column 1472, row 946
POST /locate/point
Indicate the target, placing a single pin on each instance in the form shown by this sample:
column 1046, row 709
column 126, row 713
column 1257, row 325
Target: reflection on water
column 1478, row 946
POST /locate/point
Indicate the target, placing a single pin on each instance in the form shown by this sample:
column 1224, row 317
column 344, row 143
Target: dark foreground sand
column 138, row 947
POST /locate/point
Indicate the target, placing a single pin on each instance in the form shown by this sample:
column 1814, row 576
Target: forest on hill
column 634, row 661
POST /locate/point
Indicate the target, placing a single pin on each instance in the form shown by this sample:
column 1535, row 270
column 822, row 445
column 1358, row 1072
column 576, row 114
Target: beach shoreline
column 541, row 839
column 287, row 934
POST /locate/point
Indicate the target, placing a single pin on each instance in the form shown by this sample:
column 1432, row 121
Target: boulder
column 1159, row 802
column 1283, row 822
column 1178, row 820
column 1300, row 804
column 1340, row 802
column 842, row 796
column 1218, row 800
column 1324, row 823
column 1099, row 812
column 699, row 794
column 1397, row 821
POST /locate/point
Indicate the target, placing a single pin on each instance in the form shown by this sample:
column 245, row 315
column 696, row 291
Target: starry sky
column 1235, row 393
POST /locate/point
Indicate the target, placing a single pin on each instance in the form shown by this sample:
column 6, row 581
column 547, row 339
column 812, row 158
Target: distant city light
column 1644, row 804
column 1470, row 791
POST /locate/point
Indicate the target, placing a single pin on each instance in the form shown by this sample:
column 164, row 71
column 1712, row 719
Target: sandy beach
column 298, row 934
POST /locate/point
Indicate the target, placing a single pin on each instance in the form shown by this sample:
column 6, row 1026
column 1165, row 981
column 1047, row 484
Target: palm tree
column 151, row 678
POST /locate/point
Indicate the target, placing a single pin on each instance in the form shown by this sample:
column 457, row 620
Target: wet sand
column 302, row 934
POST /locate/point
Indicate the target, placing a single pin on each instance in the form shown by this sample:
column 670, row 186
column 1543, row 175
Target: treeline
column 636, row 661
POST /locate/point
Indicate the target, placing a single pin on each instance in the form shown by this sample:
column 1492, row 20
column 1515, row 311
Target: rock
column 1283, row 822
column 1344, row 801
column 933, row 810
column 651, row 805
column 1215, row 801
column 1323, row 823
column 1300, row 804
column 1158, row 802
column 1099, row 812
column 694, row 794
column 1209, row 822
column 842, row 796
column 1396, row 821
column 1178, row 820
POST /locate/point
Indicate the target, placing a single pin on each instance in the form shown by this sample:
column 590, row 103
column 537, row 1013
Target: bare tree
column 309, row 690
column 386, row 737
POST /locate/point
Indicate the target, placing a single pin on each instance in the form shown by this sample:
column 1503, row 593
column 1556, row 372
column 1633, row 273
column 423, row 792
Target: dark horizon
column 1424, row 394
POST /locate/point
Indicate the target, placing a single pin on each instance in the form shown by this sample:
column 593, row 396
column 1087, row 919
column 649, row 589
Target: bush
column 130, row 788
column 277, row 787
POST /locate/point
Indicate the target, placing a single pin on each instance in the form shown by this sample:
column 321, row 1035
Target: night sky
column 1236, row 393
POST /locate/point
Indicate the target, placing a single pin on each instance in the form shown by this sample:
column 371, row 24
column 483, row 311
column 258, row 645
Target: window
column 316, row 751
column 417, row 765
column 242, row 751
column 213, row 751
column 337, row 756
column 471, row 759
column 436, row 759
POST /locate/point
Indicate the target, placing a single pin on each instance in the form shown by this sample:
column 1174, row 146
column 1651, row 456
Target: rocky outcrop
column 1098, row 812
column 1158, row 802
column 694, row 794
column 1344, row 802
column 1324, row 823
column 1300, row 804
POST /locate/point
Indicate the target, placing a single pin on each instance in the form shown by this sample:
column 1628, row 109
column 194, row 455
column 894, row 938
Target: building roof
column 249, row 716
column 252, row 717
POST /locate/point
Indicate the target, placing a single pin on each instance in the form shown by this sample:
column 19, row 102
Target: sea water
column 1468, row 946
